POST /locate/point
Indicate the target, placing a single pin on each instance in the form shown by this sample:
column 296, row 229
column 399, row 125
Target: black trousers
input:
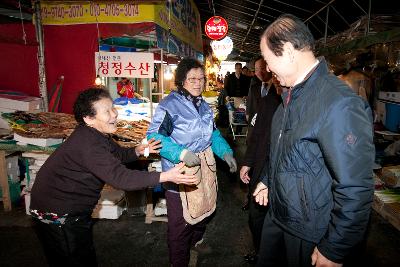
column 279, row 248
column 256, row 220
column 70, row 244
column 181, row 236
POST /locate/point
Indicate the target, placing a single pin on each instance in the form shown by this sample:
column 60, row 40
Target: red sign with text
column 216, row 28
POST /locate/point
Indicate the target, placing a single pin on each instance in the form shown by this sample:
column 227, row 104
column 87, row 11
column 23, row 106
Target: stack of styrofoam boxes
column 12, row 102
column 13, row 177
column 35, row 160
column 12, row 169
column 161, row 206
column 111, row 204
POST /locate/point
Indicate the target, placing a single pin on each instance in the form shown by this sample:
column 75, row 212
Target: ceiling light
column 97, row 81
column 168, row 75
column 241, row 26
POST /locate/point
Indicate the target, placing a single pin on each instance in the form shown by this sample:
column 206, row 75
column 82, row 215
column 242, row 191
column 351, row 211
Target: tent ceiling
column 248, row 18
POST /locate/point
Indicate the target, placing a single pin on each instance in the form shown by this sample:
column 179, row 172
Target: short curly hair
column 83, row 105
column 184, row 67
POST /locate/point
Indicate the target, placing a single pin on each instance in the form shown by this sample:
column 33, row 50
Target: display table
column 5, row 150
column 387, row 204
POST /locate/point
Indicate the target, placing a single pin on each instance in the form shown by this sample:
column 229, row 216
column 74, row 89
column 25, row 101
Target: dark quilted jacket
column 320, row 176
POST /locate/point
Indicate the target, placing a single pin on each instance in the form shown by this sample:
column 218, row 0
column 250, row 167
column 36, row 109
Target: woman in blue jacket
column 184, row 123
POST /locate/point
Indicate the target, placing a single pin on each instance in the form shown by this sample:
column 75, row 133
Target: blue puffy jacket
column 180, row 126
column 320, row 176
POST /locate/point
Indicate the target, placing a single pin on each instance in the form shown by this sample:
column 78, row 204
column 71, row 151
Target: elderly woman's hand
column 189, row 158
column 153, row 145
column 230, row 160
column 177, row 176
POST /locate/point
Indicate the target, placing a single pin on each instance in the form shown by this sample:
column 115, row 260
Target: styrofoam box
column 23, row 103
column 109, row 211
column 12, row 162
column 27, row 203
column 35, row 155
column 37, row 141
column 110, row 205
column 390, row 96
column 12, row 168
column 3, row 123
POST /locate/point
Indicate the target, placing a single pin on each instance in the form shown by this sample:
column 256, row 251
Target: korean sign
column 181, row 16
column 125, row 64
column 216, row 28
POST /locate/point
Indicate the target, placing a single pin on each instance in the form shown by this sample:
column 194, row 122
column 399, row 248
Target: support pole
column 369, row 17
column 326, row 24
column 42, row 69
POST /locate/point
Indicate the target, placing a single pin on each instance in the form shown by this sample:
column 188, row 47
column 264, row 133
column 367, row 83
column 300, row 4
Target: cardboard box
column 391, row 176
column 18, row 102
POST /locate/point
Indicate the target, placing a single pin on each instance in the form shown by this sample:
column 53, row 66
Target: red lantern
column 216, row 28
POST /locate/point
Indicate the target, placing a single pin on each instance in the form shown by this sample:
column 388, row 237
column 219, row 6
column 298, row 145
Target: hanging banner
column 182, row 17
column 65, row 13
column 222, row 48
column 125, row 64
column 216, row 28
column 174, row 45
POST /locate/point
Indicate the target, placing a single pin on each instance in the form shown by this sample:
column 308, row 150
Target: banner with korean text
column 125, row 64
column 180, row 17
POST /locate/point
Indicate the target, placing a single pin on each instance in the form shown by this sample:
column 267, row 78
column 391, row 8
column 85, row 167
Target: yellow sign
column 62, row 13
column 182, row 17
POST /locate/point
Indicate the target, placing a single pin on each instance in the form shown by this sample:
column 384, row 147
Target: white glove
column 230, row 160
column 190, row 158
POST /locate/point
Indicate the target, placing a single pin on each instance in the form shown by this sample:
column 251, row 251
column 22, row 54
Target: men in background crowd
column 262, row 102
column 259, row 86
column 237, row 84
column 319, row 182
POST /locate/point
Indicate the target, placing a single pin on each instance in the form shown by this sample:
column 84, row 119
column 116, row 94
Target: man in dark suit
column 258, row 82
column 237, row 84
column 263, row 100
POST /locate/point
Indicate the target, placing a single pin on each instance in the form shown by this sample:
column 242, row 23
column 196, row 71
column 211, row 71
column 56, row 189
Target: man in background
column 262, row 102
column 237, row 84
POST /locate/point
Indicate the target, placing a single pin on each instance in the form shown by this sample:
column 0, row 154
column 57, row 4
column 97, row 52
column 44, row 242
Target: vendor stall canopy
column 248, row 18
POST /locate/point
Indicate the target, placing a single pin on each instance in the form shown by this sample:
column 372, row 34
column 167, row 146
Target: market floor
column 128, row 241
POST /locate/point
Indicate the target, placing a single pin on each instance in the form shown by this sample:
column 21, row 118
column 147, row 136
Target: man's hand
column 153, row 145
column 189, row 158
column 319, row 260
column 244, row 174
column 261, row 194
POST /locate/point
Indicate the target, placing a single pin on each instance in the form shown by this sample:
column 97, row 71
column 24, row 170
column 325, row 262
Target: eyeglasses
column 194, row 80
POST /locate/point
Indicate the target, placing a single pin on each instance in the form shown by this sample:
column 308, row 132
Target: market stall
column 367, row 58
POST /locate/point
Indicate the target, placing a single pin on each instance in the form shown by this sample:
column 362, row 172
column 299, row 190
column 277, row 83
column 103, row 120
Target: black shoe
column 251, row 258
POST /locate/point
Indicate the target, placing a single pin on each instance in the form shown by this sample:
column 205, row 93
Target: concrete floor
column 128, row 241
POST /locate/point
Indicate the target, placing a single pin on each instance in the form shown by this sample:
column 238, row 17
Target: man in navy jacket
column 318, row 183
